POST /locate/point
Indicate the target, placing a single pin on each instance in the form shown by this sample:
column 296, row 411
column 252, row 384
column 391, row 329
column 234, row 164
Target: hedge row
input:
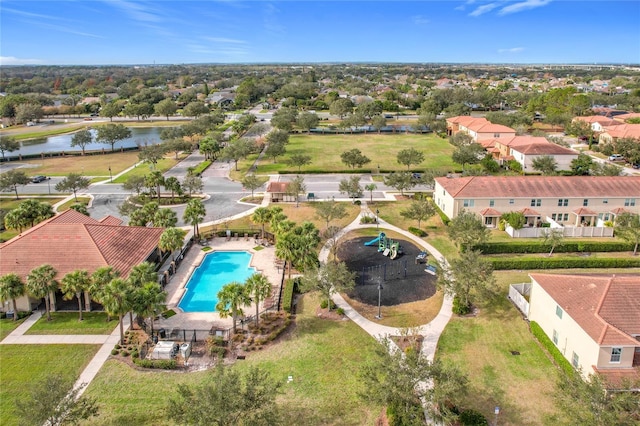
column 444, row 217
column 553, row 350
column 540, row 247
column 201, row 167
column 162, row 364
column 563, row 263
column 290, row 286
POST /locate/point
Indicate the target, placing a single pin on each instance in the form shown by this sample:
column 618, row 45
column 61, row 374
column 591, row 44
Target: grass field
column 68, row 204
column 67, row 323
column 7, row 326
column 323, row 356
column 88, row 165
column 325, row 153
column 24, row 365
column 144, row 169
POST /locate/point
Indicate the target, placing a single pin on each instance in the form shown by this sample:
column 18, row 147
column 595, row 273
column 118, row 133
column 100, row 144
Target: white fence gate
column 519, row 295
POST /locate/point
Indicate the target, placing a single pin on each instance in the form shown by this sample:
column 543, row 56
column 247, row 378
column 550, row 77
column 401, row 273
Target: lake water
column 140, row 136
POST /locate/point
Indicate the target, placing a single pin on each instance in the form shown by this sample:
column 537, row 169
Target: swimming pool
column 217, row 269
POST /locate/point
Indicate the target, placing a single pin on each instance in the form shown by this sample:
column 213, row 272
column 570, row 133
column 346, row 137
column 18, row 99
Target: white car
column 616, row 157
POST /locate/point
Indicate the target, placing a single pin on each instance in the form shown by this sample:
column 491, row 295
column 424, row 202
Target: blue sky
column 100, row 32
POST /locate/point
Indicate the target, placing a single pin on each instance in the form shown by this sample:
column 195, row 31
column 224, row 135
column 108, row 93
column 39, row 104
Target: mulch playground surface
column 403, row 280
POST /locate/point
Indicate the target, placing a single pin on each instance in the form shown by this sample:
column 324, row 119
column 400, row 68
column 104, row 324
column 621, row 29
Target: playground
column 403, row 278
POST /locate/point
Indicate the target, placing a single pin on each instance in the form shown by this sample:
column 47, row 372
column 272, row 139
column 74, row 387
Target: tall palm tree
column 261, row 216
column 99, row 280
column 12, row 287
column 231, row 299
column 154, row 180
column 258, row 286
column 171, row 239
column 287, row 249
column 143, row 273
column 74, row 284
column 41, row 283
column 194, row 213
column 116, row 301
column 165, row 218
column 149, row 300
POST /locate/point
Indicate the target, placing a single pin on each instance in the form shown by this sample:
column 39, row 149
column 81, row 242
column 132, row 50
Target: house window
column 559, row 311
column 563, row 202
column 629, row 202
column 575, row 360
column 605, row 201
column 488, row 221
column 468, row 203
column 492, row 203
column 496, row 135
column 566, row 217
column 553, row 216
column 536, row 202
column 555, row 337
column 585, row 202
column 511, row 201
column 616, row 354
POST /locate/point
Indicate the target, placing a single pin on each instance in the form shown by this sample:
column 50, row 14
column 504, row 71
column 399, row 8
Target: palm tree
column 116, row 301
column 261, row 216
column 287, row 249
column 74, row 284
column 165, row 218
column 12, row 287
column 149, row 300
column 194, row 213
column 99, row 280
column 231, row 299
column 258, row 286
column 40, row 283
column 171, row 239
column 154, row 180
column 143, row 273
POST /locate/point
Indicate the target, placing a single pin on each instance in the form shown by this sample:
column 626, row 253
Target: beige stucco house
column 564, row 201
column 525, row 149
column 593, row 320
column 622, row 131
column 480, row 129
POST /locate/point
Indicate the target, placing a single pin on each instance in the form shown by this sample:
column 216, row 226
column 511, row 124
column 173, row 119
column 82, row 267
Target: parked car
column 38, row 179
column 616, row 157
column 636, row 166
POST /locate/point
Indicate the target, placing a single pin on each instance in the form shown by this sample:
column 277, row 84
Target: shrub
column 340, row 311
column 160, row 364
column 472, row 418
column 560, row 360
column 538, row 247
column 459, row 307
column 357, row 202
column 124, row 353
column 201, row 167
column 417, row 231
column 117, row 346
column 324, row 304
column 367, row 219
column 115, row 352
column 562, row 262
column 443, row 216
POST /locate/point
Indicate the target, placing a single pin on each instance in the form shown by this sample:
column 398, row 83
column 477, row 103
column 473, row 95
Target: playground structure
column 386, row 246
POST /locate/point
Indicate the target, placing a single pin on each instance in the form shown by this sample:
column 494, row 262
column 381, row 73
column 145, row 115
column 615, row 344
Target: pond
column 140, row 136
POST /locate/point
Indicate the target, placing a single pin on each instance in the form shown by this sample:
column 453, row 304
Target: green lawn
column 322, row 356
column 23, row 365
column 325, row 152
column 144, row 169
column 67, row 323
column 68, row 204
column 7, row 326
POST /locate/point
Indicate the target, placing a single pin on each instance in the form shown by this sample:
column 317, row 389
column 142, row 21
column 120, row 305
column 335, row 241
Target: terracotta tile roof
column 541, row 186
column 583, row 211
column 524, row 140
column 529, row 212
column 277, row 186
column 604, row 121
column 623, row 131
column 617, row 377
column 490, row 212
column 543, row 148
column 619, row 210
column 87, row 244
column 111, row 220
column 606, row 307
column 628, row 116
column 488, row 127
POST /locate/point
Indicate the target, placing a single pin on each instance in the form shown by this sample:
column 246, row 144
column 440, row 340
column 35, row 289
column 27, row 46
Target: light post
column 110, row 175
column 379, row 316
column 496, row 412
column 377, row 223
column 49, row 184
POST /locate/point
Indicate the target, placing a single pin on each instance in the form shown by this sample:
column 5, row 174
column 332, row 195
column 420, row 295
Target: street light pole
column 377, row 222
column 110, row 175
column 379, row 316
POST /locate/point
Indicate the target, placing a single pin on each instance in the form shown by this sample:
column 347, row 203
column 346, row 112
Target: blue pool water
column 217, row 269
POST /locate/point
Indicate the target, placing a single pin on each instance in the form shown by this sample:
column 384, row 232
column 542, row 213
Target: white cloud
column 481, row 10
column 12, row 60
column 511, row 50
column 420, row 20
column 524, row 5
column 224, row 40
column 137, row 11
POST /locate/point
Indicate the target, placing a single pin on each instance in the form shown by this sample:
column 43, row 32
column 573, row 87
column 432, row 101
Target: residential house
column 480, row 129
column 624, row 118
column 566, row 202
column 525, row 149
column 597, row 122
column 593, row 320
column 72, row 241
column 622, row 131
column 278, row 191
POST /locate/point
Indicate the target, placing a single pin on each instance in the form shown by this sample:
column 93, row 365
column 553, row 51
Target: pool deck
column 263, row 260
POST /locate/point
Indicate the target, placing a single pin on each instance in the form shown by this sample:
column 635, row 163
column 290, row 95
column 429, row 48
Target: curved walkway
column 430, row 331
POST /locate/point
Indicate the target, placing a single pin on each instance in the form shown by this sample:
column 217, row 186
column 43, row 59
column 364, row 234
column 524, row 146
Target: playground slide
column 394, row 252
column 372, row 242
